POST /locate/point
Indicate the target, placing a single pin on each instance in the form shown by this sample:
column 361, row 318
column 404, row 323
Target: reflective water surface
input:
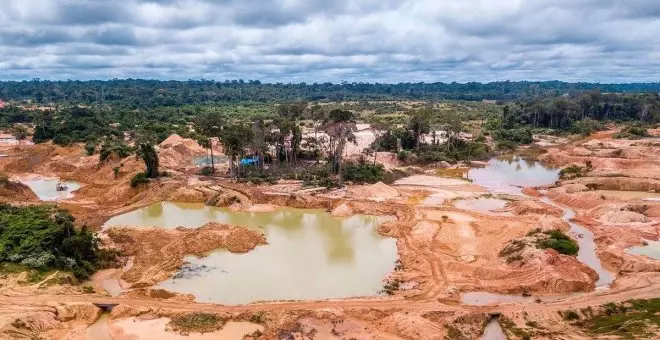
column 46, row 188
column 652, row 249
column 509, row 174
column 483, row 205
column 310, row 254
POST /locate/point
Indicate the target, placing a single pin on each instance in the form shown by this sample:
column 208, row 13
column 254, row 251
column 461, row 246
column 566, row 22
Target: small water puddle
column 484, row 205
column 206, row 160
column 46, row 189
column 652, row 250
column 509, row 174
column 310, row 254
column 485, row 299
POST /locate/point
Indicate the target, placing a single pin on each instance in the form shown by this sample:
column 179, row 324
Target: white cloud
column 319, row 40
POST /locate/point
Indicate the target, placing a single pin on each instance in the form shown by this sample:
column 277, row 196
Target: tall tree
column 236, row 137
column 420, row 124
column 150, row 158
column 340, row 129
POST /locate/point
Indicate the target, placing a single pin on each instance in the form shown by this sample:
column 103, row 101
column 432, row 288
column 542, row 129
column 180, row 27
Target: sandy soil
column 156, row 329
column 443, row 251
column 158, row 252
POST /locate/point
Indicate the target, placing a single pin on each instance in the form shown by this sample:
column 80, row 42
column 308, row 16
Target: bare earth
column 443, row 251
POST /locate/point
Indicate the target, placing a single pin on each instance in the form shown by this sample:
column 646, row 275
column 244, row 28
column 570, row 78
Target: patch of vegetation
column 138, row 179
column 587, row 126
column 363, row 172
column 390, row 287
column 43, row 237
column 532, row 324
column 570, row 315
column 88, row 289
column 513, row 247
column 453, row 333
column 635, row 319
column 572, row 171
column 206, row 171
column 632, row 132
column 558, row 241
column 114, row 147
column 511, row 327
column 196, row 322
column 516, row 135
column 258, row 317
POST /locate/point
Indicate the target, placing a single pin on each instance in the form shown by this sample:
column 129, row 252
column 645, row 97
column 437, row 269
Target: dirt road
column 581, row 301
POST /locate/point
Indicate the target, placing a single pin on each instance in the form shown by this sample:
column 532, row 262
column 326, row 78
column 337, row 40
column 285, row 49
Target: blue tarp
column 249, row 161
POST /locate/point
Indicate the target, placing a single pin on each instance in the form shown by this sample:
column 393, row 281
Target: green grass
column 560, row 242
column 635, row 319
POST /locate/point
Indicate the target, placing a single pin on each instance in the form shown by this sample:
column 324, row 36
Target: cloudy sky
column 332, row 40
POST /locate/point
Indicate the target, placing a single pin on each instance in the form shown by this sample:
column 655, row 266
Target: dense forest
column 43, row 237
column 135, row 93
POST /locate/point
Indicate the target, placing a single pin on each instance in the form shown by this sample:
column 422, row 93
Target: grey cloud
column 320, row 40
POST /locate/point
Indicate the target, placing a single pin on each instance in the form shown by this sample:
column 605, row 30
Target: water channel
column 493, row 331
column 509, row 175
column 309, row 255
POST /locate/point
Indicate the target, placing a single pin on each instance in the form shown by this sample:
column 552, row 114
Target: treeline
column 570, row 112
column 136, row 93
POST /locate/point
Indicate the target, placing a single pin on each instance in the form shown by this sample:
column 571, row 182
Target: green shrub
column 363, row 172
column 587, row 126
column 118, row 148
column 42, row 237
column 90, row 148
column 140, row 178
column 506, row 145
column 206, row 171
column 519, row 135
column 572, row 171
column 632, row 132
column 560, row 242
column 570, row 315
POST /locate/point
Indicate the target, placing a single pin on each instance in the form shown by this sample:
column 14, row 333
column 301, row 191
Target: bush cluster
column 560, row 242
column 43, row 237
column 140, row 178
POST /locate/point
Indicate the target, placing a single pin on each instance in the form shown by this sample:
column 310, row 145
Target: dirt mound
column 623, row 217
column 342, row 210
column 378, row 191
column 176, row 152
column 16, row 192
column 46, row 321
column 579, row 151
column 527, row 207
column 159, row 252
